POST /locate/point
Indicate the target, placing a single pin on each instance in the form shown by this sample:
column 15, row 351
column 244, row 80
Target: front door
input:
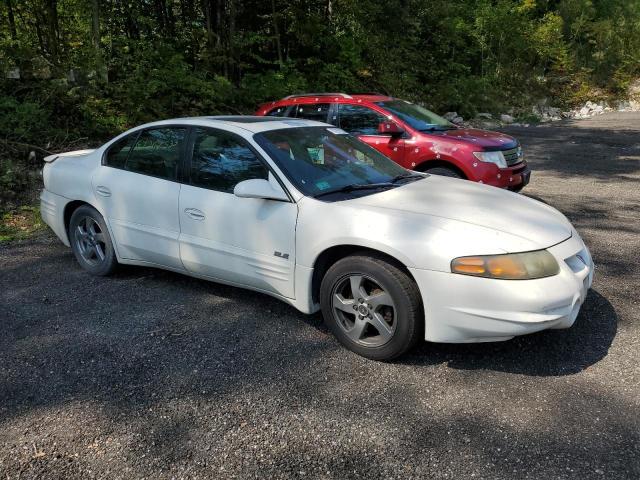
column 363, row 122
column 246, row 241
column 137, row 191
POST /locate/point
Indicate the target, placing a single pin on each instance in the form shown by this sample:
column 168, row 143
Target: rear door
column 247, row 241
column 137, row 190
column 363, row 122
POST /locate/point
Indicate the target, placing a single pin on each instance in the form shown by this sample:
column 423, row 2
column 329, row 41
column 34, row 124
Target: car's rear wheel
column 445, row 172
column 91, row 242
column 372, row 306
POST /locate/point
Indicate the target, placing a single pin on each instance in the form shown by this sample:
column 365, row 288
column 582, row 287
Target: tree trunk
column 232, row 34
column 276, row 31
column 206, row 9
column 54, row 28
column 96, row 38
column 218, row 22
column 187, row 13
column 12, row 21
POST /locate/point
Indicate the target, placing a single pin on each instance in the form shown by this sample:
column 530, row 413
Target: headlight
column 491, row 157
column 511, row 266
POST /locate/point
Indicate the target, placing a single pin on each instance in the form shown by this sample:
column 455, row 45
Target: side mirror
column 390, row 128
column 259, row 188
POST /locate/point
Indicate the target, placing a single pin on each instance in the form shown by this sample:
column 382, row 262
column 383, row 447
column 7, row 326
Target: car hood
column 484, row 138
column 536, row 224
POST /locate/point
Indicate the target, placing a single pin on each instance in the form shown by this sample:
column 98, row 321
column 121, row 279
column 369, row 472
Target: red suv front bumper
column 513, row 178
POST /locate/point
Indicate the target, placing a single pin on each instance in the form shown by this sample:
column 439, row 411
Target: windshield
column 322, row 160
column 416, row 116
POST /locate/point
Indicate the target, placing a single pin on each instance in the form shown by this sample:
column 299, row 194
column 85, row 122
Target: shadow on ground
column 569, row 150
column 548, row 353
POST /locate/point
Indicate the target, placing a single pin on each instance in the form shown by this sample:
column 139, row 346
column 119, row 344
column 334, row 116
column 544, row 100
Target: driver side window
column 359, row 120
column 220, row 161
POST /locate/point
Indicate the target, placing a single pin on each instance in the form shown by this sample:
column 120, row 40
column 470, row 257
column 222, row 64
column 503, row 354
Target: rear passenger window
column 220, row 161
column 277, row 112
column 118, row 152
column 315, row 111
column 359, row 120
column 157, row 153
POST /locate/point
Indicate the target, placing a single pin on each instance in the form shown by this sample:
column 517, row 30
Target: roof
column 253, row 124
column 312, row 97
column 257, row 124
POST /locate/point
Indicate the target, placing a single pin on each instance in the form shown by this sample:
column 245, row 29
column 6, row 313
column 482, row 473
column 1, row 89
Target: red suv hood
column 483, row 138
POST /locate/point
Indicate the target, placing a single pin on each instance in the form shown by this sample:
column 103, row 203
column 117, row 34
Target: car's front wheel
column 444, row 172
column 91, row 242
column 372, row 306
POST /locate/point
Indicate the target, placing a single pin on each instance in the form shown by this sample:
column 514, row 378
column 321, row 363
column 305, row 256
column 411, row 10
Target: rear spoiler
column 76, row 153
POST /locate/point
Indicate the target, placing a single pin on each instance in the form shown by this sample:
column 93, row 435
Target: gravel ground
column 149, row 374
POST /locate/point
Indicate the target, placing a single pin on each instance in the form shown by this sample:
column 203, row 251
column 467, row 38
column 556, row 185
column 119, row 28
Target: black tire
column 444, row 172
column 91, row 242
column 381, row 276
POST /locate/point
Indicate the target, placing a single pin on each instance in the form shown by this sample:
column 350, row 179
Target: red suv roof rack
column 325, row 94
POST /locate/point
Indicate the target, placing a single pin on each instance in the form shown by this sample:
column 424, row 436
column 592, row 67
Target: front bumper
column 513, row 178
column 466, row 309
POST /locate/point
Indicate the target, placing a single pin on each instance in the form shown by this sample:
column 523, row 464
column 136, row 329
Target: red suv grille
column 513, row 156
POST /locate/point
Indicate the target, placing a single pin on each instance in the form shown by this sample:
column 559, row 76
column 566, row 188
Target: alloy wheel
column 364, row 310
column 90, row 241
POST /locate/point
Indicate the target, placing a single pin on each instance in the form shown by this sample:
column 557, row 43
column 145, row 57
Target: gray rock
column 489, row 124
column 506, row 118
column 554, row 112
column 488, row 116
column 41, row 68
column 450, row 115
column 13, row 73
column 457, row 120
column 623, row 106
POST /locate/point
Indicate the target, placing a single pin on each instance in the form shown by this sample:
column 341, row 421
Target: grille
column 513, row 156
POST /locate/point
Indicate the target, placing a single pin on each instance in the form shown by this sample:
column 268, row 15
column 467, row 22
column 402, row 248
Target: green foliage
column 170, row 58
column 20, row 223
column 13, row 180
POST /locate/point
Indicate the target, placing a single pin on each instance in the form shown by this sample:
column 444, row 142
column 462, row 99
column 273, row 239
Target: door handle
column 194, row 213
column 102, row 190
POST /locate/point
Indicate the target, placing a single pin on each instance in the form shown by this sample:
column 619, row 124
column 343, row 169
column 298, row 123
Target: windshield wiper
column 437, row 128
column 404, row 176
column 356, row 186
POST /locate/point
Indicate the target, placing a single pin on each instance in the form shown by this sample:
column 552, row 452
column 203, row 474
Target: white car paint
column 142, row 212
column 242, row 250
column 273, row 246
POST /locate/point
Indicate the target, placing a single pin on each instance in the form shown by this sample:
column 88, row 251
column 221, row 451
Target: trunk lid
column 75, row 153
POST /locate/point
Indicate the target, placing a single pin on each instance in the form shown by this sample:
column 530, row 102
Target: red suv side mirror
column 386, row 128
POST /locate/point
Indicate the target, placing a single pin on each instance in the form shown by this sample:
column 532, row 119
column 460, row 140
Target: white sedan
column 309, row 214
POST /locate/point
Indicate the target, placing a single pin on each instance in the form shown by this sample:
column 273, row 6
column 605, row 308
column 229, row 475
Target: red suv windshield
column 415, row 116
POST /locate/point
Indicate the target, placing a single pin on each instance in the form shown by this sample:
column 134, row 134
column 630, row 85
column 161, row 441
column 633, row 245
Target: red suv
column 413, row 136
